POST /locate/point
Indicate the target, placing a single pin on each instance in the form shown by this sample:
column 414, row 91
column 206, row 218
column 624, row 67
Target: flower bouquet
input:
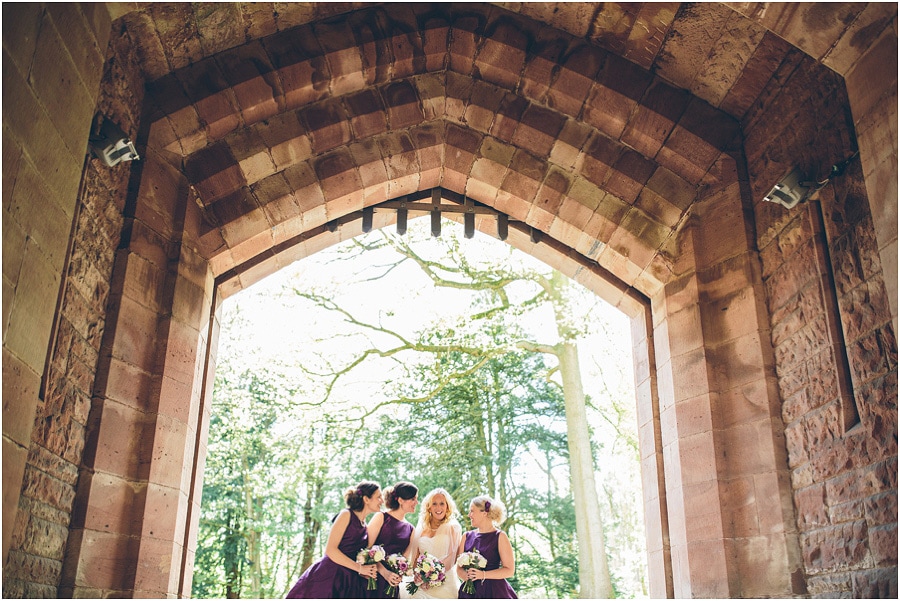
column 430, row 571
column 398, row 564
column 374, row 554
column 467, row 561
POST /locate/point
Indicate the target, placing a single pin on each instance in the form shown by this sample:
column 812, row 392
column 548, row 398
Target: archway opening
column 340, row 399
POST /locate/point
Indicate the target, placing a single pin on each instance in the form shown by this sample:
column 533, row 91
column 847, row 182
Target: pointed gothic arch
column 642, row 171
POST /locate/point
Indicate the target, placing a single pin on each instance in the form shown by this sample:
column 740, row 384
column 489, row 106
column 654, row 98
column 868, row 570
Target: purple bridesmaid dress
column 328, row 580
column 486, row 543
column 394, row 537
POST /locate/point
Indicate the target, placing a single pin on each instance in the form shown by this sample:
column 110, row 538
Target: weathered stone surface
column 875, row 584
column 556, row 114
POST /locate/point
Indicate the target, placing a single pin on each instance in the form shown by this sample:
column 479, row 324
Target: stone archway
column 268, row 171
column 265, row 144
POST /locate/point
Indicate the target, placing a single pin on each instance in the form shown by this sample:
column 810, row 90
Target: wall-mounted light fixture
column 791, row 190
column 111, row 145
column 794, row 188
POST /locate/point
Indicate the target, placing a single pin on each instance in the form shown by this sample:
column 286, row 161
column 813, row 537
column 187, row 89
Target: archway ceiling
column 598, row 124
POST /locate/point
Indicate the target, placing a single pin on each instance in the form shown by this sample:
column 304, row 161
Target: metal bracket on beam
column 412, row 202
column 402, row 215
column 502, row 226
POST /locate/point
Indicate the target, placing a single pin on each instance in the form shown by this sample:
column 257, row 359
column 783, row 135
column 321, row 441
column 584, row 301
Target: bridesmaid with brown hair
column 337, row 575
column 391, row 530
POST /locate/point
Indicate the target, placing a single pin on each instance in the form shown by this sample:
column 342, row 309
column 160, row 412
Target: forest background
column 415, row 358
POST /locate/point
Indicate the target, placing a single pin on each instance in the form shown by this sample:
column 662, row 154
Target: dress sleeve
column 454, row 531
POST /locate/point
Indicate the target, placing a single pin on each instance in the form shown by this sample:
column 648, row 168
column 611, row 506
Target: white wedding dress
column 444, row 545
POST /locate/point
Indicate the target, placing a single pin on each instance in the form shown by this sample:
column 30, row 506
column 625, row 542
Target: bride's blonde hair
column 425, row 515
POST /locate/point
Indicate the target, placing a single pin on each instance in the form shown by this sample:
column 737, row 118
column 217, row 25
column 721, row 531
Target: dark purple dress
column 328, row 580
column 394, row 537
column 486, row 543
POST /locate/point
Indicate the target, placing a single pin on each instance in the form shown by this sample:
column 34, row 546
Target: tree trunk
column 593, row 569
column 311, row 526
column 251, row 533
column 231, row 560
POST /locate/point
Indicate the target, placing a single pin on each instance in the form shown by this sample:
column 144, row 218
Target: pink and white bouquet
column 398, row 564
column 429, row 570
column 374, row 554
column 467, row 561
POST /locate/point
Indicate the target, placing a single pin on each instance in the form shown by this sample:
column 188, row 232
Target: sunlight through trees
column 443, row 361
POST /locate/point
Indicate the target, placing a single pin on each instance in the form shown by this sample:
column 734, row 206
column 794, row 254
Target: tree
column 593, row 565
column 262, row 508
column 498, row 313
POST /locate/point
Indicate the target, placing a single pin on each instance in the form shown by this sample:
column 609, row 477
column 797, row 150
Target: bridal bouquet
column 374, row 554
column 398, row 564
column 471, row 559
column 430, row 571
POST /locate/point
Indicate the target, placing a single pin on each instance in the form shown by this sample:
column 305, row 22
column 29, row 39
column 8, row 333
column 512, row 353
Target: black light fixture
column 367, row 219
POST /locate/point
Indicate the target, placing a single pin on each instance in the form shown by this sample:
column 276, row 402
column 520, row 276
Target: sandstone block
column 158, row 567
column 574, row 89
column 403, row 105
column 875, row 584
column 328, row 125
column 839, row 547
column 257, row 91
column 508, row 116
column 367, row 114
column 63, row 94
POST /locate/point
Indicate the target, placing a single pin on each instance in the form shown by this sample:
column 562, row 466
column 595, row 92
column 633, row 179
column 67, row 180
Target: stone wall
column 837, row 372
column 53, row 58
column 832, row 339
column 41, row 528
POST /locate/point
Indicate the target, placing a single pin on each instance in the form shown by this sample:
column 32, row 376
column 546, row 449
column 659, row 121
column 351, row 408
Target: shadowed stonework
column 630, row 146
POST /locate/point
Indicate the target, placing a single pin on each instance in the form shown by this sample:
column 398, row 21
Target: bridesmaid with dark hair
column 337, row 575
column 391, row 530
column 490, row 583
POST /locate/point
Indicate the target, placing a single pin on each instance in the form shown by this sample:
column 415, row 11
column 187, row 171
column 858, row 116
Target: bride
column 438, row 533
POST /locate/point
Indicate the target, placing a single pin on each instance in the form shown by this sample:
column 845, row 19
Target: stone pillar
column 653, row 483
column 130, row 524
column 731, row 523
column 872, row 91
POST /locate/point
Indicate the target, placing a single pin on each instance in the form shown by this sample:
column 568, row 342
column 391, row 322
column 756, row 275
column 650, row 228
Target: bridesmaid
column 391, row 530
column 490, row 583
column 337, row 575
